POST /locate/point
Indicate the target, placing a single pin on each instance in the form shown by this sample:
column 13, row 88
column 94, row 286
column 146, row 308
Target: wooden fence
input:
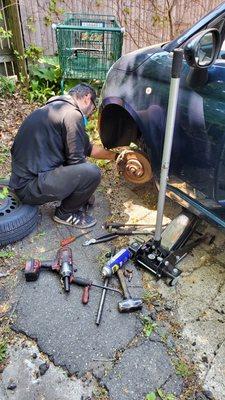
column 12, row 61
column 146, row 22
column 6, row 54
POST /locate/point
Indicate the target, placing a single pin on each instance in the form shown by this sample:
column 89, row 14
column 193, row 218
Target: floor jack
column 161, row 254
column 161, row 258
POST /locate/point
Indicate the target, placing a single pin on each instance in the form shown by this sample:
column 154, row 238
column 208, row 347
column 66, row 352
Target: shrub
column 7, row 86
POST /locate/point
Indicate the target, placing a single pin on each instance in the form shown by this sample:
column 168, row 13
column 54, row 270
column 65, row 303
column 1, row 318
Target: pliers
column 101, row 239
column 114, row 235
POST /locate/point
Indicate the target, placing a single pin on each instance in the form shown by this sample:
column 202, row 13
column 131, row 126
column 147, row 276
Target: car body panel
column 138, row 83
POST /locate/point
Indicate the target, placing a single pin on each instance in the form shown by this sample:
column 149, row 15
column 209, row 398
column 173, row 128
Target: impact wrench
column 63, row 264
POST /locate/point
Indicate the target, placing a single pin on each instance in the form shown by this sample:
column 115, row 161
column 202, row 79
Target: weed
column 183, row 369
column 149, row 327
column 45, row 77
column 100, row 393
column 165, row 396
column 147, row 296
column 150, row 396
column 38, row 93
column 3, row 351
column 6, row 254
column 103, row 163
column 7, row 86
column 33, row 53
column 4, row 193
column 40, row 234
column 4, row 34
column 102, row 259
column 160, row 393
column 4, row 154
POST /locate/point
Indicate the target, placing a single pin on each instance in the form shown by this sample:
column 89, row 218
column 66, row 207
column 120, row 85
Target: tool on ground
column 116, row 262
column 87, row 283
column 161, row 254
column 110, row 236
column 106, row 282
column 108, row 225
column 63, row 264
column 128, row 304
column 102, row 301
column 162, row 260
column 71, row 239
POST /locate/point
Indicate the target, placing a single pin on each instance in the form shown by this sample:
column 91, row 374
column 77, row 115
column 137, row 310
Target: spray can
column 116, row 262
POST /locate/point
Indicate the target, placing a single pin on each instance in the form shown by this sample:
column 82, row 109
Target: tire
column 17, row 220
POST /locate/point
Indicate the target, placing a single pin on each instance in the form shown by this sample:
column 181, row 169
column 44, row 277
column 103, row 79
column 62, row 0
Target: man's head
column 85, row 96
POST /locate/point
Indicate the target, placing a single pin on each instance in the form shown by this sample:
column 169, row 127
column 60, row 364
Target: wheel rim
column 9, row 204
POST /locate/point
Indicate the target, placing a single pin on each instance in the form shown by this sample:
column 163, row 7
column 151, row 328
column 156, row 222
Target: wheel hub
column 137, row 168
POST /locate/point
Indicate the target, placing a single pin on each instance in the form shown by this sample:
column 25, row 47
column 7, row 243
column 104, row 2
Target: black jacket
column 50, row 136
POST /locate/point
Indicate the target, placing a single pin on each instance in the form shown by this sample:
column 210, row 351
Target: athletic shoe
column 79, row 219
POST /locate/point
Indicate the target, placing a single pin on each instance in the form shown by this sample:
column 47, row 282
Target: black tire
column 17, row 220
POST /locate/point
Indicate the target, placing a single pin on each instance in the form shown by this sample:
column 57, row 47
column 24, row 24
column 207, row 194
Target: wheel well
column 117, row 127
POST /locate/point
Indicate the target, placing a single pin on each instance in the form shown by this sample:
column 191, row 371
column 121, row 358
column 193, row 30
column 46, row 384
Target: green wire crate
column 88, row 45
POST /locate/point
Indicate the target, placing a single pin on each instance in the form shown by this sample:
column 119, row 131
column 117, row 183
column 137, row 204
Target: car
column 133, row 109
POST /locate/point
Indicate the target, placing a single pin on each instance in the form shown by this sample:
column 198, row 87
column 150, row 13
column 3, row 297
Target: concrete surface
column 23, row 371
column 189, row 318
column 142, row 369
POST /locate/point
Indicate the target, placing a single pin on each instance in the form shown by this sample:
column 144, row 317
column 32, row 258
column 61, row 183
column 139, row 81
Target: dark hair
column 81, row 90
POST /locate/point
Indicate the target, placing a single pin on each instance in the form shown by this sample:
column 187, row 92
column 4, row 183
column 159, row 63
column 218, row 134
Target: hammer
column 128, row 304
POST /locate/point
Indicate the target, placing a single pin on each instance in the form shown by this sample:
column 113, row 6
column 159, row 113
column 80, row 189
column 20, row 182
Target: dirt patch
column 13, row 111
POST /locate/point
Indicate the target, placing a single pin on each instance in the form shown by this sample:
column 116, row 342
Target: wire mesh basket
column 88, row 45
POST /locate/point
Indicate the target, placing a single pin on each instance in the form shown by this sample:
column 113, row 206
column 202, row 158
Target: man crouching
column 49, row 157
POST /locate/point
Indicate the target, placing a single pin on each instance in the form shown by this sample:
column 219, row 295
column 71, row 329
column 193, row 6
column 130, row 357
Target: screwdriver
column 71, row 239
column 86, row 283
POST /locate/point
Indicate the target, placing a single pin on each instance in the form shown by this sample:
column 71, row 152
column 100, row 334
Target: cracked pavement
column 116, row 356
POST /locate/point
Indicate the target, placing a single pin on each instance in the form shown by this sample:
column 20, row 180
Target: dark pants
column 72, row 184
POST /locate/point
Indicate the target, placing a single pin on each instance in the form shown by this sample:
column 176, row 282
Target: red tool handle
column 85, row 295
column 67, row 241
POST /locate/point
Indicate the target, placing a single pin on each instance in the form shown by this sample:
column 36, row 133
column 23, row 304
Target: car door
column 200, row 128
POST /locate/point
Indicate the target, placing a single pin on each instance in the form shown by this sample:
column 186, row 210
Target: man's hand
column 121, row 160
column 99, row 152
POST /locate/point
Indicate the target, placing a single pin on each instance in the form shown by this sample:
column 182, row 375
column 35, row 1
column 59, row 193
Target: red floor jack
column 161, row 254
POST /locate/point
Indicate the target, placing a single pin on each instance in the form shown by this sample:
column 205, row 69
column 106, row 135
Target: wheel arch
column 119, row 124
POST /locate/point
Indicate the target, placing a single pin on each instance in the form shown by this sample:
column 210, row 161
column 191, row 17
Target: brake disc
column 137, row 168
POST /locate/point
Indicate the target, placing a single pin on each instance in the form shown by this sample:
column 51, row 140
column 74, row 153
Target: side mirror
column 203, row 48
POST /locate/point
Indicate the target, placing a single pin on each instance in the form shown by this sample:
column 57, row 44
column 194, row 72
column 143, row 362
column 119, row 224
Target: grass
column 100, row 393
column 4, row 154
column 102, row 259
column 183, row 369
column 4, row 193
column 6, row 254
column 3, row 351
column 160, row 394
column 148, row 296
column 148, row 326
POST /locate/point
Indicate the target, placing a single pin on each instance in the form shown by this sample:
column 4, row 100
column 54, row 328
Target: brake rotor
column 137, row 168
